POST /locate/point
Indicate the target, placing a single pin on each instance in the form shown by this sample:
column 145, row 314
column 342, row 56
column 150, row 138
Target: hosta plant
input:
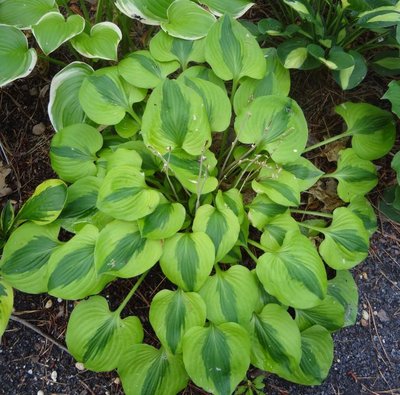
column 335, row 34
column 188, row 159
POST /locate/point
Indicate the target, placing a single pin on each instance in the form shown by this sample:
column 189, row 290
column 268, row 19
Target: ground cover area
column 33, row 359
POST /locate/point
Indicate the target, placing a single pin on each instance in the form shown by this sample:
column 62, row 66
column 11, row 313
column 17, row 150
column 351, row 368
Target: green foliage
column 169, row 164
column 335, row 34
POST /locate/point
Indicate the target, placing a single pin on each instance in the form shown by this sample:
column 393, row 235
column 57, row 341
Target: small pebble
column 365, row 276
column 30, row 371
column 117, row 381
column 40, row 392
column 363, row 322
column 80, row 366
column 48, row 304
column 383, row 316
column 54, row 376
column 59, row 300
column 39, row 129
column 365, row 315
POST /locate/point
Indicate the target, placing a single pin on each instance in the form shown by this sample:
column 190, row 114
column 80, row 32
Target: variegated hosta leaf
column 215, row 100
column 276, row 124
column 81, row 202
column 16, row 60
column 264, row 297
column 52, row 30
column 111, row 158
column 293, row 54
column 304, row 171
column 294, row 273
column 233, row 52
column 46, row 203
column 329, row 314
column 6, row 305
column 360, row 206
column 232, row 199
column 279, row 185
column 205, row 73
column 302, row 7
column 26, row 254
column 356, row 176
column 166, row 48
column 145, row 370
column 220, row 224
column 380, row 17
column 230, row 296
column 346, row 240
column 350, row 77
column 121, row 251
column 73, row 151
column 187, row 20
column 275, row 82
column 373, row 129
column 188, row 259
column 172, row 313
column 106, row 97
column 97, row 337
column 124, row 194
column 236, row 8
column 72, row 273
column 262, row 209
column 23, row 14
column 393, row 95
column 217, row 357
column 276, row 228
column 166, row 220
column 175, row 117
column 7, row 218
column 344, row 289
column 142, row 70
column 275, row 340
column 316, row 359
column 64, row 108
column 193, row 173
column 101, row 43
column 150, row 12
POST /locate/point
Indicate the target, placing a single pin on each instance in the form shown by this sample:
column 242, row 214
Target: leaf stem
column 255, row 244
column 99, row 11
column 131, row 293
column 84, row 10
column 327, row 141
column 133, row 114
column 316, row 213
column 52, row 60
column 251, row 255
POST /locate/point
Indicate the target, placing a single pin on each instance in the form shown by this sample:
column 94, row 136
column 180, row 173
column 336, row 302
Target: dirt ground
column 367, row 355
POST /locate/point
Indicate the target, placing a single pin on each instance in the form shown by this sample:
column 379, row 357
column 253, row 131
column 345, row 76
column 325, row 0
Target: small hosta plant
column 187, row 158
column 335, row 34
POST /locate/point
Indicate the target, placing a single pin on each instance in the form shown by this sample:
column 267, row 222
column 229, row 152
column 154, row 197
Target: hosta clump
column 196, row 171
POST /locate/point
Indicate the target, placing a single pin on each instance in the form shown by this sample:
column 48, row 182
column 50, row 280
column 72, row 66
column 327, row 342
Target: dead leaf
column 331, row 152
column 325, row 192
column 4, row 172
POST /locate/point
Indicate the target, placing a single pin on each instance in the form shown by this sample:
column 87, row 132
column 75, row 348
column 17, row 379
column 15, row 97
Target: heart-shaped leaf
column 316, row 358
column 23, row 14
column 275, row 340
column 64, row 108
column 71, row 269
column 262, row 209
column 166, row 48
column 151, row 12
column 51, row 31
column 276, row 124
column 6, row 305
column 121, row 251
column 101, row 43
column 97, row 337
column 304, row 171
column 294, row 54
column 73, row 151
column 26, row 255
column 172, row 313
column 106, row 97
column 294, row 273
column 233, row 199
column 142, row 70
column 373, row 129
column 187, row 20
column 217, row 357
column 350, row 77
column 233, row 52
column 356, row 176
column 236, row 8
column 16, row 60
column 393, row 95
column 145, row 370
column 175, row 117
column 188, row 259
column 346, row 241
column 275, row 82
column 230, row 296
column 46, row 203
column 124, row 194
column 360, row 206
